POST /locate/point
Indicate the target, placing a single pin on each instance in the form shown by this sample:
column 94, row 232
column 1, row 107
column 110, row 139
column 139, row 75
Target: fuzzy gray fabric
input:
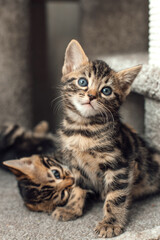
column 15, row 77
column 18, row 223
column 152, row 122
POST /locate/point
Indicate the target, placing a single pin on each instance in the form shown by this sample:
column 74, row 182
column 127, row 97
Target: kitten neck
column 99, row 119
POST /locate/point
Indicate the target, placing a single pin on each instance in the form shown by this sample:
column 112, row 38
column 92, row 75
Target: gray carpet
column 18, row 223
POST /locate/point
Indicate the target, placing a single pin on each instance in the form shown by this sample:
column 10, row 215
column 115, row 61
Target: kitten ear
column 127, row 76
column 74, row 57
column 20, row 167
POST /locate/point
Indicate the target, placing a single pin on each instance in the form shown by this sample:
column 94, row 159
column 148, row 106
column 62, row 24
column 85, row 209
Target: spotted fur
column 39, row 187
column 104, row 154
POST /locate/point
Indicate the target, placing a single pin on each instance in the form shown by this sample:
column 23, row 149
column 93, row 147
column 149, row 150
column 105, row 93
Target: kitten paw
column 108, row 230
column 63, row 214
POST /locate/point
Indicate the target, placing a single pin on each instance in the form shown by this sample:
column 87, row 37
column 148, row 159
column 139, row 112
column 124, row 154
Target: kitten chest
column 88, row 162
column 82, row 152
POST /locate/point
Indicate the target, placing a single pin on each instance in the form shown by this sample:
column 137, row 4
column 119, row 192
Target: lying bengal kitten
column 104, row 154
column 43, row 182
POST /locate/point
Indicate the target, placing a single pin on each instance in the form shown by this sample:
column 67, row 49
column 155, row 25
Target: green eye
column 106, row 91
column 56, row 174
column 83, row 82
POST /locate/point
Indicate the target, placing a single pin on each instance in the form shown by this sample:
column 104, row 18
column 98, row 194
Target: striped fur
column 104, row 154
column 18, row 142
column 38, row 186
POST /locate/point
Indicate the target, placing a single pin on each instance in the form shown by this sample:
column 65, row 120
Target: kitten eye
column 106, row 91
column 83, row 82
column 56, row 174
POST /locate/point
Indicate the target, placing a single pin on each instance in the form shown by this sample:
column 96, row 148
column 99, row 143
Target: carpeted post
column 15, row 77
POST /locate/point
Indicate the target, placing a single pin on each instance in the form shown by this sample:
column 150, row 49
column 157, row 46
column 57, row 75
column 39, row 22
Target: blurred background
column 33, row 38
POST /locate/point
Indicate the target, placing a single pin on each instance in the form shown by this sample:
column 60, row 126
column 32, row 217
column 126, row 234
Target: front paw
column 107, row 230
column 63, row 214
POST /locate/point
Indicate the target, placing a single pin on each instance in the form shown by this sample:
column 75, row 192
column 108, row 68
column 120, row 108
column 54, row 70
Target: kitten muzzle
column 67, row 183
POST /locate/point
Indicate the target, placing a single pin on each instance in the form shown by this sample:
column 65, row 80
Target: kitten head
column 43, row 182
column 91, row 88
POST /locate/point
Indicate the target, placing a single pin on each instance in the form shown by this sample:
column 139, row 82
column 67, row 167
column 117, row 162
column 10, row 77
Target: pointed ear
column 127, row 76
column 74, row 57
column 20, row 167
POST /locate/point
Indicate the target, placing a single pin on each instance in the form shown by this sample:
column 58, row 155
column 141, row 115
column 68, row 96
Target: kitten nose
column 92, row 94
column 91, row 97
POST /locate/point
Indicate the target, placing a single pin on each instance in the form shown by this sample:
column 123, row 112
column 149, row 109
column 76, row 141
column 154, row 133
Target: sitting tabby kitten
column 104, row 154
column 43, row 182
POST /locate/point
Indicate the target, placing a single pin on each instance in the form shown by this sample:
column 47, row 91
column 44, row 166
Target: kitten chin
column 86, row 108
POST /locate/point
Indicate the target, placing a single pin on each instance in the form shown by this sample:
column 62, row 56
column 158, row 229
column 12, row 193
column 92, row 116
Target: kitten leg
column 74, row 207
column 115, row 208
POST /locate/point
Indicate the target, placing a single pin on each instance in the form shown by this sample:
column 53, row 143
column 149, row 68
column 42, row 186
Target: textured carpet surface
column 18, row 223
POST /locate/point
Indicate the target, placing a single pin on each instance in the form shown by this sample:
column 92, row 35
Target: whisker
column 55, row 99
column 105, row 112
column 59, row 87
column 111, row 116
column 57, row 106
column 106, row 115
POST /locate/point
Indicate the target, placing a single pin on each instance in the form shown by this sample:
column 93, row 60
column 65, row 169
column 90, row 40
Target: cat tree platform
column 18, row 223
